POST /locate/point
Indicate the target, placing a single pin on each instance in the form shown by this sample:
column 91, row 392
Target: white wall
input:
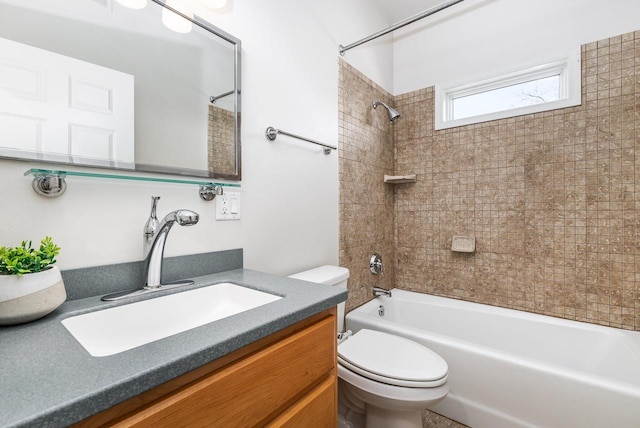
column 289, row 189
column 479, row 38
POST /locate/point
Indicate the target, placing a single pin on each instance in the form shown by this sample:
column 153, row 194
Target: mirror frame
column 237, row 53
column 145, row 168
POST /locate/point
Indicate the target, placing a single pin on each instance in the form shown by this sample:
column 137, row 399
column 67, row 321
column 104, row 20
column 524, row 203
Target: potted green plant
column 30, row 286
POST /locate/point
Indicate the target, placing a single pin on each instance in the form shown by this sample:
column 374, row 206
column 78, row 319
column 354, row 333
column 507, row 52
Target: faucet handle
column 375, row 264
column 151, row 226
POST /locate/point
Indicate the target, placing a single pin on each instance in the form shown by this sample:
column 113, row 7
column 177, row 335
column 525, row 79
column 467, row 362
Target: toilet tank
column 336, row 276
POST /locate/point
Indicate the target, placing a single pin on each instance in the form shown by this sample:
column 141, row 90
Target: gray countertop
column 49, row 380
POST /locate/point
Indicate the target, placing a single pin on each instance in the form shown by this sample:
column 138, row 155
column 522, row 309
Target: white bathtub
column 510, row 368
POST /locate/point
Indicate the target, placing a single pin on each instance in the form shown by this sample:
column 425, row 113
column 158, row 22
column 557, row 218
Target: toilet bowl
column 389, row 379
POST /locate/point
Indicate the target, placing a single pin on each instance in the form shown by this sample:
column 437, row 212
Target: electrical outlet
column 228, row 206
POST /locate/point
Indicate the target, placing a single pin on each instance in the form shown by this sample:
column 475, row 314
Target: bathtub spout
column 378, row 291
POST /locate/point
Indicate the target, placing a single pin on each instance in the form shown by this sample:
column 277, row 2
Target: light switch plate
column 228, row 206
column 463, row 244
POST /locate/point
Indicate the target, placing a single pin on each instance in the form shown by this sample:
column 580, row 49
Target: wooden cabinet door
column 317, row 409
column 253, row 390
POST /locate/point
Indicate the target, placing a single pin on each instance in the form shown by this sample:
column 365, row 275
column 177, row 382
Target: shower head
column 393, row 113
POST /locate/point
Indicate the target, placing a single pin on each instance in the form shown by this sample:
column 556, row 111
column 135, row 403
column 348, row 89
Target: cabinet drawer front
column 318, row 409
column 253, row 390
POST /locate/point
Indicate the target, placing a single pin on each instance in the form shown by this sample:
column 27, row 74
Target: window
column 554, row 84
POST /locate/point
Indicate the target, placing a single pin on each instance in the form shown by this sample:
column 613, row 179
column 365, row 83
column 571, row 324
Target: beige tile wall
column 221, row 141
column 366, row 203
column 552, row 198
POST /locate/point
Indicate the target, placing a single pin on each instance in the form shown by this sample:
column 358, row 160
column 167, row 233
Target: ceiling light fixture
column 174, row 21
column 133, row 4
column 213, row 4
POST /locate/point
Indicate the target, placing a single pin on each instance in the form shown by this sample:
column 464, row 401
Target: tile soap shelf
column 399, row 179
column 52, row 183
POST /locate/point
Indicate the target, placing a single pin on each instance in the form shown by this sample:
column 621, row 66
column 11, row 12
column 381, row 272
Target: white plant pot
column 30, row 296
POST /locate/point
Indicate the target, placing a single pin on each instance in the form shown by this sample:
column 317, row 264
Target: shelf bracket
column 209, row 191
column 49, row 185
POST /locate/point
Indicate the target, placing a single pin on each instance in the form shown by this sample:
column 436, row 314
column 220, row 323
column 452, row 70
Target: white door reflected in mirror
column 72, row 109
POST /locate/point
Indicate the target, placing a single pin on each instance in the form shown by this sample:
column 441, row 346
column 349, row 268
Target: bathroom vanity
column 274, row 365
column 286, row 379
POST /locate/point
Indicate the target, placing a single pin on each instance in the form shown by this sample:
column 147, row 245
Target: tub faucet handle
column 375, row 264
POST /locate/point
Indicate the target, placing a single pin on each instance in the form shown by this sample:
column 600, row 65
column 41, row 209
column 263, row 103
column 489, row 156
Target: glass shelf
column 51, row 183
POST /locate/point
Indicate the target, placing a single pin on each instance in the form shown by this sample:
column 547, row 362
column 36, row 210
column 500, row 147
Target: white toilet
column 389, row 379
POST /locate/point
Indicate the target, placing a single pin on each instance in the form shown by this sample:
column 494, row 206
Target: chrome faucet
column 378, row 291
column 153, row 261
column 155, row 255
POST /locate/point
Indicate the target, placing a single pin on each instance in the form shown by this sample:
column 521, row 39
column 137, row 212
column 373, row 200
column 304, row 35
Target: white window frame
column 567, row 67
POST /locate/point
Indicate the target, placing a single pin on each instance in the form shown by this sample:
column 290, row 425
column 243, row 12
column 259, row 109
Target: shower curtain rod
column 400, row 24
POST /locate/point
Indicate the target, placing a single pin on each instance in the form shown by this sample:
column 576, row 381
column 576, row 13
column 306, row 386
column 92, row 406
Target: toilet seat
column 392, row 360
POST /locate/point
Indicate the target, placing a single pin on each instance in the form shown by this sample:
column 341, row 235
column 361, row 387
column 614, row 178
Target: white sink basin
column 118, row 329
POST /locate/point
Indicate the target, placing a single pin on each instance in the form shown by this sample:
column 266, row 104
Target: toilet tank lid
column 330, row 275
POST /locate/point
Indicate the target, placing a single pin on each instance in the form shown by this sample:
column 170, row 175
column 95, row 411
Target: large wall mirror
column 145, row 87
